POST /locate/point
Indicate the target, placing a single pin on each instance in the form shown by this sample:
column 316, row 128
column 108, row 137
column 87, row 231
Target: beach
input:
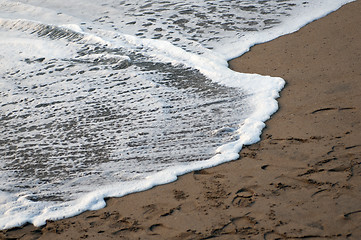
column 302, row 180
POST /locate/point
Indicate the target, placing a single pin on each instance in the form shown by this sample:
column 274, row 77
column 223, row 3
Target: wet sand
column 302, row 180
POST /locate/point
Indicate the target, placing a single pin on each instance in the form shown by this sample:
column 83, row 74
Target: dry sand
column 303, row 180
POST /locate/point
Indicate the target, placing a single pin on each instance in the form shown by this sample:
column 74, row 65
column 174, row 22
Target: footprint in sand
column 244, row 198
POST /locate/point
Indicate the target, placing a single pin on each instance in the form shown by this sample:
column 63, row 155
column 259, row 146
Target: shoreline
column 302, row 179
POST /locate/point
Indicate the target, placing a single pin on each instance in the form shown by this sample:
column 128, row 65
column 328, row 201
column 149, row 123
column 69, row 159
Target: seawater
column 104, row 98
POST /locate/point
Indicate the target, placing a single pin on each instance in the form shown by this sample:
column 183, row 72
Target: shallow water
column 104, row 98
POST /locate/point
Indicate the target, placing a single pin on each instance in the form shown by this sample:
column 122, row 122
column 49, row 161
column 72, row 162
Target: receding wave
column 102, row 117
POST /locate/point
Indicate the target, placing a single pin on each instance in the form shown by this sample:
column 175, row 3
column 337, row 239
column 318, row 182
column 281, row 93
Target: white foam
column 100, row 24
column 73, row 27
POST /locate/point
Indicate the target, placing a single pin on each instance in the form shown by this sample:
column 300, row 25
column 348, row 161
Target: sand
column 302, row 180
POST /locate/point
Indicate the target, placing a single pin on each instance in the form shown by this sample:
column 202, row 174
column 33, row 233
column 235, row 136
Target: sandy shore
column 303, row 180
